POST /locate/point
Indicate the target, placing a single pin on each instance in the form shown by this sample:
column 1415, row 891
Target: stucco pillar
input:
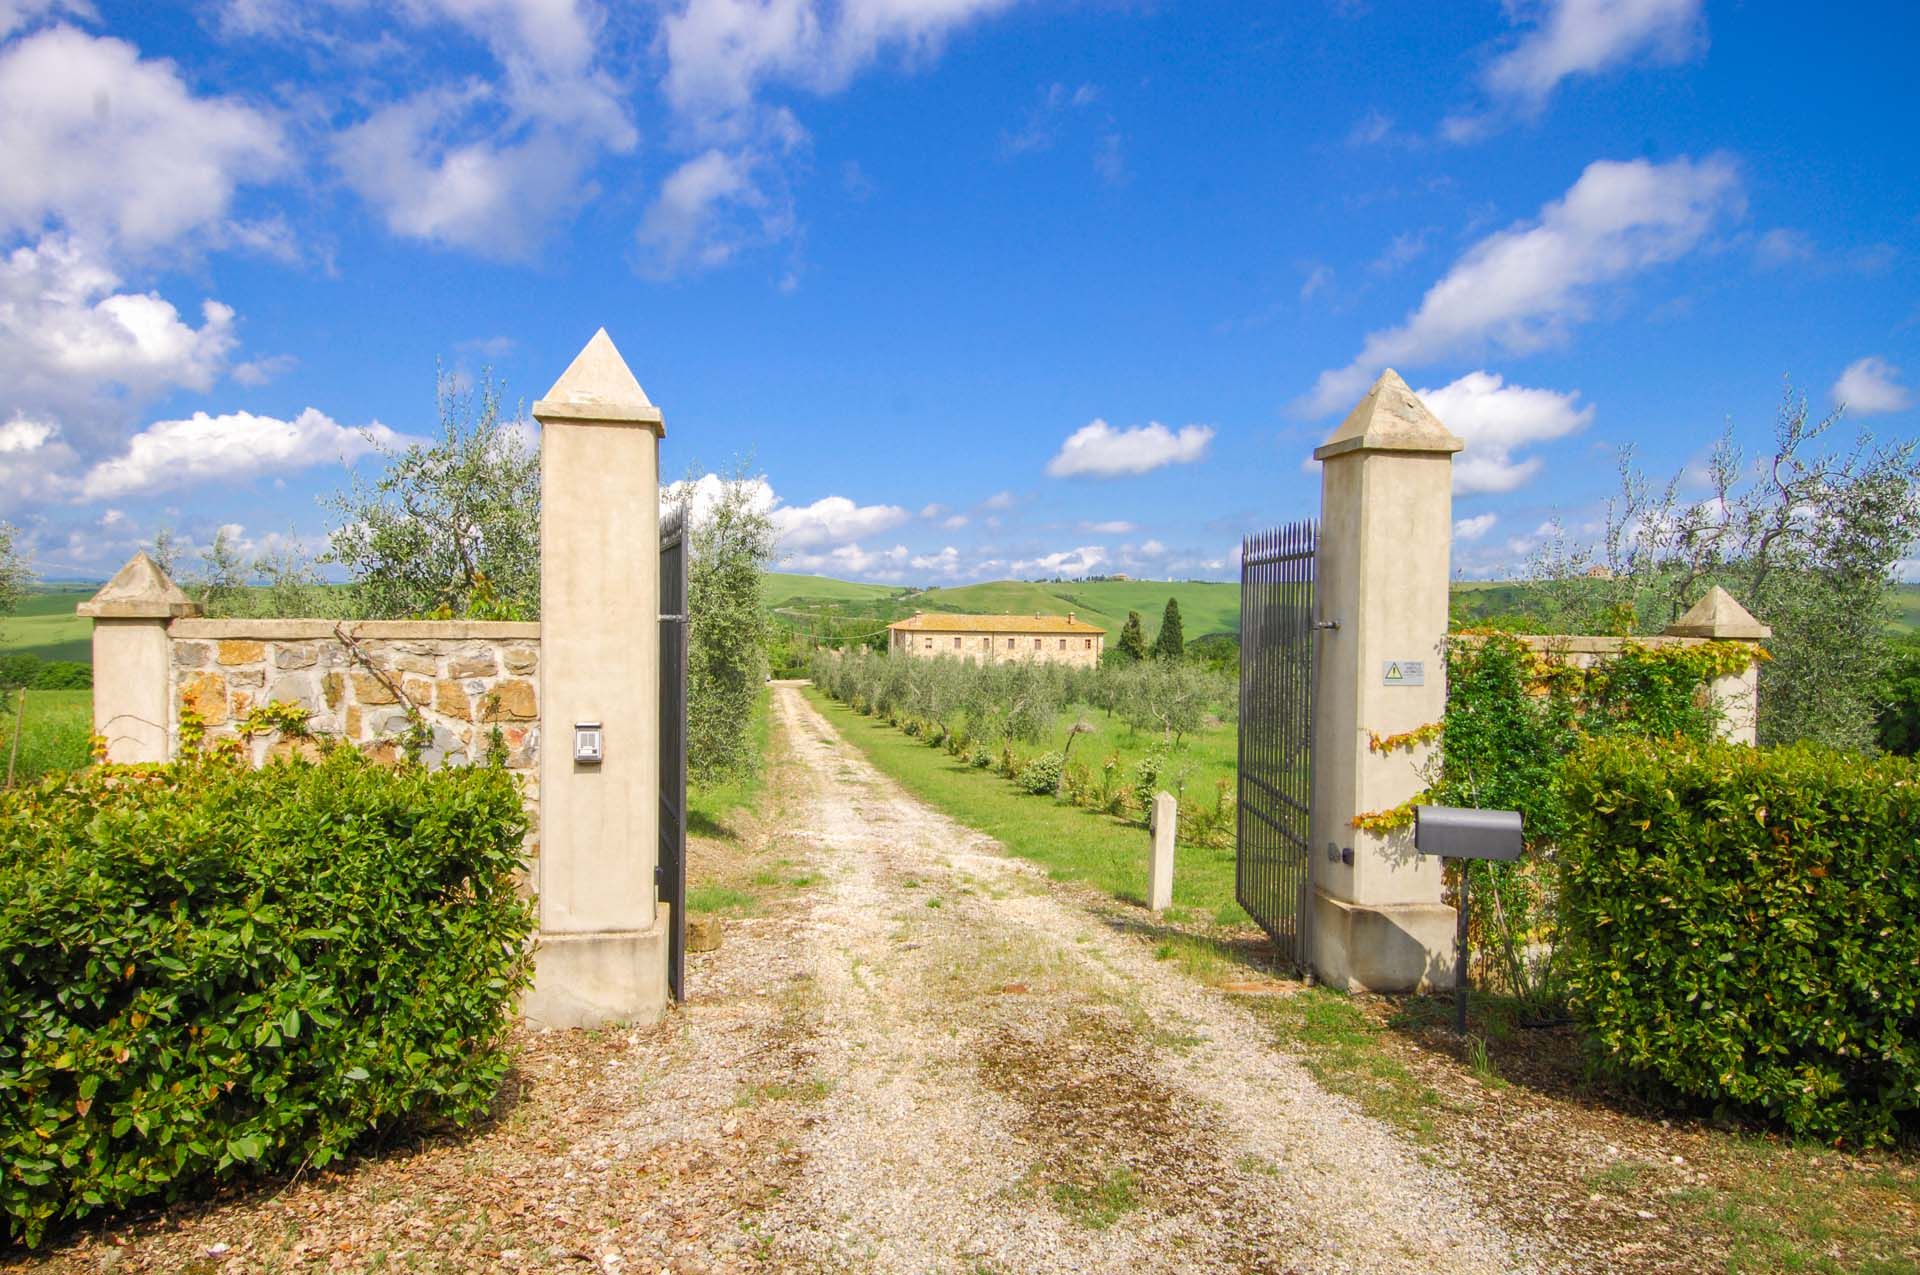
column 602, row 956
column 131, row 659
column 1719, row 617
column 1376, row 921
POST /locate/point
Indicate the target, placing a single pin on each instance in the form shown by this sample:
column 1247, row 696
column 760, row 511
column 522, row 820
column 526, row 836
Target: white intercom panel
column 589, row 743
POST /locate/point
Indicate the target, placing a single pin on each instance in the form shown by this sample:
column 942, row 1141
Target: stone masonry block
column 521, row 659
column 294, row 655
column 450, row 699
column 513, row 700
column 479, row 665
column 368, row 689
column 191, row 654
column 206, row 694
column 332, row 688
column 242, row 651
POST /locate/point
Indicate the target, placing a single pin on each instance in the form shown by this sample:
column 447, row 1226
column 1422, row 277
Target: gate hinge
column 1326, row 624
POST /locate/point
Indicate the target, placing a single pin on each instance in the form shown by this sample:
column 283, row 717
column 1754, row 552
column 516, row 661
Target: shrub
column 1744, row 926
column 211, row 971
column 1041, row 775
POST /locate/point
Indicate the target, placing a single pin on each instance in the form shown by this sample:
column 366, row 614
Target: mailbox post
column 1452, row 832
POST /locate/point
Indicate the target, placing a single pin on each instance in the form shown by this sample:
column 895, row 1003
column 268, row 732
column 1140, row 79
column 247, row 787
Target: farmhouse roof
column 949, row 623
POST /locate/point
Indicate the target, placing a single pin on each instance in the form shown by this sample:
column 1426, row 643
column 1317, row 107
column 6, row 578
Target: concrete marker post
column 1166, row 822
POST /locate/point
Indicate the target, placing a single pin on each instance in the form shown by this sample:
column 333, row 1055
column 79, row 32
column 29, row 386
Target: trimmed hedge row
column 208, row 970
column 1744, row 926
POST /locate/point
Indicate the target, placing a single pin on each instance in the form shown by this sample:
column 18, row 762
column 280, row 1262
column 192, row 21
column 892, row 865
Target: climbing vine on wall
column 1515, row 713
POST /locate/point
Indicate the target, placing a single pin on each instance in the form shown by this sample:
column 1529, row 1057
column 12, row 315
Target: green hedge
column 208, row 971
column 1744, row 926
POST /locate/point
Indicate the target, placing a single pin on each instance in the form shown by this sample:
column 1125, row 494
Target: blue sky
column 985, row 288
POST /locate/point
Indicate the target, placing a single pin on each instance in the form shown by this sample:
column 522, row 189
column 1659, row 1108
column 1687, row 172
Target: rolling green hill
column 44, row 624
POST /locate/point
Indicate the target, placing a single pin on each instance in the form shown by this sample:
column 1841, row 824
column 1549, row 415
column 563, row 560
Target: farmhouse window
column 956, row 644
column 929, row 644
column 1063, row 644
column 1036, row 644
column 1089, row 644
column 1009, row 644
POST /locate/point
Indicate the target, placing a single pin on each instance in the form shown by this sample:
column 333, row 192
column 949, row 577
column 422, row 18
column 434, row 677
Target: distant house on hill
column 1054, row 638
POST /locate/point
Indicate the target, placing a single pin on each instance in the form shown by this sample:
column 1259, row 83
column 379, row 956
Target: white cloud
column 708, row 209
column 20, row 436
column 852, row 560
column 1099, row 449
column 1782, row 246
column 721, row 52
column 1522, row 288
column 487, row 164
column 1112, row 528
column 73, row 345
column 15, row 14
column 234, row 445
column 1584, row 37
column 1066, row 562
column 833, row 518
column 944, row 563
column 999, row 500
column 954, row 522
column 1475, row 527
column 1317, row 278
column 34, row 461
column 1871, row 386
column 1495, row 420
column 115, row 146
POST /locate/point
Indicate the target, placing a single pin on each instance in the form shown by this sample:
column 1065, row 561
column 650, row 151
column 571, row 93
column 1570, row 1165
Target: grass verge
column 1071, row 843
column 57, row 727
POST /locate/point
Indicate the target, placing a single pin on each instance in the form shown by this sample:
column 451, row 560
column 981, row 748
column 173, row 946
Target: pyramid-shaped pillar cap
column 598, row 386
column 141, row 590
column 1391, row 418
column 1718, row 616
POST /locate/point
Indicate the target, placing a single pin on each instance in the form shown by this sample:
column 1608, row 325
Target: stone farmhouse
column 1054, row 638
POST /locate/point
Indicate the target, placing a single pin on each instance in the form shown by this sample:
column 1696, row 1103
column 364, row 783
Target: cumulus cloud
column 114, row 146
column 488, row 163
column 1521, row 289
column 1495, row 420
column 707, row 210
column 233, row 445
column 71, row 342
column 852, row 560
column 998, row 501
column 1585, row 37
column 35, row 463
column 831, row 519
column 1475, row 527
column 1098, row 449
column 1114, row 527
column 1871, row 386
column 1078, row 561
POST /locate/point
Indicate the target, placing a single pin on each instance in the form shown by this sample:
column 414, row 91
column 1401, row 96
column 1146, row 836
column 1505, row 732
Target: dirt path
column 928, row 1060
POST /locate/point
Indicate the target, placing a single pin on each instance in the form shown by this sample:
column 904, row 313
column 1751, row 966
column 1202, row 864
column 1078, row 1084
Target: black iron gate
column 1273, row 870
column 671, row 874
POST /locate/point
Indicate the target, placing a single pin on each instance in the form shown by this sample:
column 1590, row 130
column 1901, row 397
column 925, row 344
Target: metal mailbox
column 1454, row 832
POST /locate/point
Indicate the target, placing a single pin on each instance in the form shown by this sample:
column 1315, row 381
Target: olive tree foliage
column 1806, row 539
column 280, row 581
column 451, row 527
column 730, row 543
column 15, row 574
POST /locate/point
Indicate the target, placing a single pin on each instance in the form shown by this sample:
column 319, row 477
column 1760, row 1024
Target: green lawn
column 58, row 725
column 1071, row 843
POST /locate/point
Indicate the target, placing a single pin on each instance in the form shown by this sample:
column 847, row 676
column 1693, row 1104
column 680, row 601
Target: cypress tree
column 1133, row 639
column 1172, row 642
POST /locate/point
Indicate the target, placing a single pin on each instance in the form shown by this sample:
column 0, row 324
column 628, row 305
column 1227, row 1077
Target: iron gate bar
column 670, row 876
column 1273, row 869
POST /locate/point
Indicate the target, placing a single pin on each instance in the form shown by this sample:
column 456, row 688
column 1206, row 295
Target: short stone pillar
column 1165, row 824
column 1719, row 617
column 131, row 677
column 1375, row 920
column 603, row 940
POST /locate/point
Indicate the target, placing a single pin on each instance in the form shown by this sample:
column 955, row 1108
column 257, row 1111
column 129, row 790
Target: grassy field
column 58, row 724
column 45, row 625
column 1071, row 843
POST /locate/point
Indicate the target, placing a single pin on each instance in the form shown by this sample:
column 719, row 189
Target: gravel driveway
column 929, row 1060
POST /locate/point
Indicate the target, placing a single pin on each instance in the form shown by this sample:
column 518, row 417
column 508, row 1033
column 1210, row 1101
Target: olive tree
column 1806, row 540
column 450, row 527
column 15, row 574
column 729, row 545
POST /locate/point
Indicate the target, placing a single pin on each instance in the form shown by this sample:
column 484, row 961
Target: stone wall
column 464, row 678
column 1737, row 695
